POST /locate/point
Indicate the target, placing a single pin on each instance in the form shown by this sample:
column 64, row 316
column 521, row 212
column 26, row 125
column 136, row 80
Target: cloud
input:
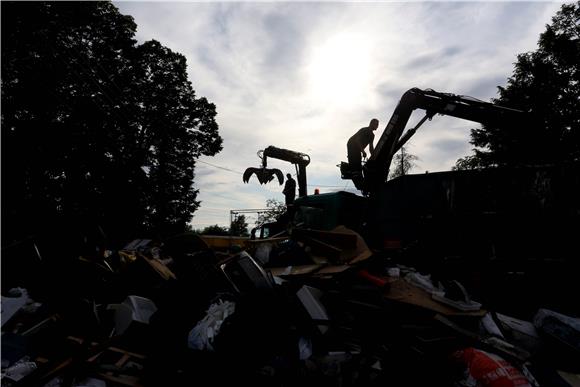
column 306, row 76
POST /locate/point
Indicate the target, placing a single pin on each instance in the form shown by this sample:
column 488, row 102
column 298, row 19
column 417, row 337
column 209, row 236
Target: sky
column 305, row 76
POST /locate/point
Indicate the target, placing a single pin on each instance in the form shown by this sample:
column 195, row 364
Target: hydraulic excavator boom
column 376, row 169
column 266, row 175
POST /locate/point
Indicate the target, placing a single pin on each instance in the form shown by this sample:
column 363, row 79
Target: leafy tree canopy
column 239, row 226
column 96, row 130
column 214, row 230
column 546, row 83
column 275, row 211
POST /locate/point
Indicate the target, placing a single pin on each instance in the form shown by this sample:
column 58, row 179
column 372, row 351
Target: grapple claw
column 247, row 174
column 264, row 175
column 279, row 175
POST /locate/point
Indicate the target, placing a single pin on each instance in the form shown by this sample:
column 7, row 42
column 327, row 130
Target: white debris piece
column 18, row 298
column 134, row 308
column 19, row 370
column 202, row 336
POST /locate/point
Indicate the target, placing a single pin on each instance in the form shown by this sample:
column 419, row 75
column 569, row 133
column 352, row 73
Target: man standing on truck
column 289, row 189
column 358, row 142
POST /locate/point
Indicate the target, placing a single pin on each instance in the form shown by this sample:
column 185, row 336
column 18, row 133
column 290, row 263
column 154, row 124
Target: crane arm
column 300, row 160
column 392, row 139
column 285, row 155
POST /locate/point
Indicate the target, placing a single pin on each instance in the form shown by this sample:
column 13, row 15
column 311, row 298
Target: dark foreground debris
column 309, row 307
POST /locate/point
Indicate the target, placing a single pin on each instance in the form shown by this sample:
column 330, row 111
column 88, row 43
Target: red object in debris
column 381, row 282
column 489, row 370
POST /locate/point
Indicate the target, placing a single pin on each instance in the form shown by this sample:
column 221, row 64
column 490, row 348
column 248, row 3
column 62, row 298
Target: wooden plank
column 360, row 253
column 114, row 349
column 159, row 267
column 266, row 240
column 402, row 291
column 342, row 240
column 333, row 269
column 125, row 380
column 323, row 248
column 294, row 270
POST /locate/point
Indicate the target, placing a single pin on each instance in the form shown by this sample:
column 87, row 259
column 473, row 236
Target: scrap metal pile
column 309, row 307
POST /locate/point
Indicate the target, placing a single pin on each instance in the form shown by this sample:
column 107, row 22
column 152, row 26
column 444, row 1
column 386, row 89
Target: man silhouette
column 358, row 142
column 289, row 189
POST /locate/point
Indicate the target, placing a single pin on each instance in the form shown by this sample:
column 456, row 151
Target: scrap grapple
column 266, row 175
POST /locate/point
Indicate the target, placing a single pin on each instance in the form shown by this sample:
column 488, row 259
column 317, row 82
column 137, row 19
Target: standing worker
column 358, row 142
column 289, row 189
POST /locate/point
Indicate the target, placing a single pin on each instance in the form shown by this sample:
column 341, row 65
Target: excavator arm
column 265, row 174
column 286, row 155
column 376, row 169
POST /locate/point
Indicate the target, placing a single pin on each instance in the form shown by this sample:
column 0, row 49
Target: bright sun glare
column 339, row 69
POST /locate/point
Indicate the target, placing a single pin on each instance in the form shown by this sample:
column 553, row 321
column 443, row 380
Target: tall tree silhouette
column 176, row 129
column 403, row 162
column 546, row 83
column 96, row 130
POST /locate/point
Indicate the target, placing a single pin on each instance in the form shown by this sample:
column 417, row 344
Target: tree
column 177, row 128
column 546, row 83
column 96, row 130
column 275, row 211
column 403, row 163
column 239, row 226
column 215, row 230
